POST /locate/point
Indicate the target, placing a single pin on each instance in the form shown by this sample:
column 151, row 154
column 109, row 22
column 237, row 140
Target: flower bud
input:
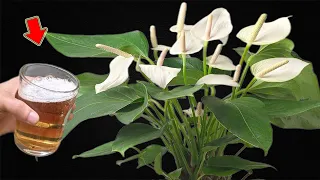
column 113, row 50
column 153, row 36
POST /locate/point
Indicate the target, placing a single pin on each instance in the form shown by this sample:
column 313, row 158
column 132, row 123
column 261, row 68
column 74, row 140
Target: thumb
column 20, row 110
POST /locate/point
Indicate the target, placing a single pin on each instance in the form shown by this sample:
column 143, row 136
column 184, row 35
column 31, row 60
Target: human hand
column 12, row 109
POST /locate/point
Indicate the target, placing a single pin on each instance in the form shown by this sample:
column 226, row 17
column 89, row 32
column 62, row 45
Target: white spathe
column 217, row 79
column 193, row 45
column 119, row 73
column 222, row 62
column 174, row 28
column 220, row 29
column 269, row 33
column 160, row 75
column 161, row 47
column 284, row 73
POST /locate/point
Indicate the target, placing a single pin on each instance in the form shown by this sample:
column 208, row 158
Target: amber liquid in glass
column 43, row 138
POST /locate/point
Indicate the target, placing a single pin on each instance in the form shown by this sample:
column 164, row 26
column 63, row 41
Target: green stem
column 184, row 61
column 240, row 150
column 194, row 153
column 209, row 70
column 244, row 54
column 157, row 104
column 243, row 76
column 205, row 46
column 248, row 86
column 155, row 54
column 153, row 107
column 149, row 60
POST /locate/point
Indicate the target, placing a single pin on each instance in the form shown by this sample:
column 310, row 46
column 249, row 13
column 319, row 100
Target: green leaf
column 161, row 94
column 304, row 86
column 281, row 48
column 133, row 111
column 134, row 134
column 194, row 70
column 102, row 150
column 148, row 155
column 304, row 114
column 243, row 117
column 88, row 81
column 69, row 45
column 282, row 108
column 228, row 165
column 158, row 164
column 175, row 174
column 193, row 67
column 92, row 105
column 228, row 139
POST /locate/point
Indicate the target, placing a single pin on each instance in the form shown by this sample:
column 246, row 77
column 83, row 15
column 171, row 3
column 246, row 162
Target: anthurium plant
column 284, row 91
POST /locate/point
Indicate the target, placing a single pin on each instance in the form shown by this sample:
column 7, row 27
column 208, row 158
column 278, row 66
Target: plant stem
column 205, row 46
column 157, row 104
column 184, row 61
column 149, row 60
column 209, row 70
column 193, row 147
column 248, row 86
column 243, row 76
column 244, row 54
column 155, row 54
column 247, row 175
column 160, row 116
column 240, row 150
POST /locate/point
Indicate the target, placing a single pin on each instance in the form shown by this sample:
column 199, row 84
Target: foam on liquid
column 34, row 93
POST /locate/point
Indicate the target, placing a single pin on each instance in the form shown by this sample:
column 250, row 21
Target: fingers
column 19, row 110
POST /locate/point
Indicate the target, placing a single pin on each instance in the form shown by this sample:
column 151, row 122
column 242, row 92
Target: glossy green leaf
column 92, row 105
column 149, row 154
column 228, row 139
column 194, row 70
column 243, row 117
column 134, row 134
column 133, row 111
column 174, row 175
column 102, row 150
column 69, row 45
column 177, row 92
column 88, row 81
column 158, row 164
column 281, row 48
column 304, row 86
column 304, row 114
column 228, row 165
column 282, row 108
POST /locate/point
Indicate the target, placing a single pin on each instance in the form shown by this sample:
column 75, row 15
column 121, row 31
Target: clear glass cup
column 51, row 92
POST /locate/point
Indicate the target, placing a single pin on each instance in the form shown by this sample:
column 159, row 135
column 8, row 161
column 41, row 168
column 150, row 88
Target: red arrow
column 35, row 32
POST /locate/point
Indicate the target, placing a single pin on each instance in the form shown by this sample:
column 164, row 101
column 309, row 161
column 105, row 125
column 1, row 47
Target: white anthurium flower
column 278, row 69
column 160, row 75
column 186, row 28
column 217, row 79
column 222, row 62
column 198, row 111
column 119, row 68
column 269, row 33
column 186, row 44
column 216, row 26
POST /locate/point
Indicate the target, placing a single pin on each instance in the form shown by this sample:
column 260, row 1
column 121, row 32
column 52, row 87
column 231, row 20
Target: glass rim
column 52, row 66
